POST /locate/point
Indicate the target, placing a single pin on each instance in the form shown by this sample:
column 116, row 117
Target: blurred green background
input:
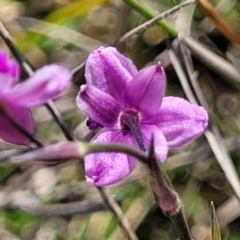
column 65, row 31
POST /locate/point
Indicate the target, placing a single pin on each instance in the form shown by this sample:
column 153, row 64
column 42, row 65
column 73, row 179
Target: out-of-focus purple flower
column 114, row 91
column 17, row 98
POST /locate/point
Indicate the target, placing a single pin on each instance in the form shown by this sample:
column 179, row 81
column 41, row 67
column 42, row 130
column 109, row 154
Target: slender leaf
column 184, row 69
column 215, row 227
column 59, row 33
column 72, row 10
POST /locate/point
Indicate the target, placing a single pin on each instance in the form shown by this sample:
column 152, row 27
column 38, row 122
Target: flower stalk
column 66, row 151
column 116, row 209
column 164, row 194
column 166, row 197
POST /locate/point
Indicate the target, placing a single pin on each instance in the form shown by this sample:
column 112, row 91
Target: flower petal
column 160, row 142
column 19, row 114
column 181, row 121
column 109, row 70
column 146, row 90
column 99, row 106
column 46, row 83
column 9, row 71
column 104, row 169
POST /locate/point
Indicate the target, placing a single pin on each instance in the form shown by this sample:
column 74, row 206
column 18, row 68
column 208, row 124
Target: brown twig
column 207, row 9
column 62, row 209
column 212, row 60
column 194, row 95
column 121, row 218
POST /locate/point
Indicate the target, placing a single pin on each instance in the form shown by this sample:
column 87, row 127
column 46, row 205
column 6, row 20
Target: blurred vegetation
column 65, row 31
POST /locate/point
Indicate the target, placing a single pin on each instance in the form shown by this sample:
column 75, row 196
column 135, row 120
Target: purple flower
column 17, row 98
column 115, row 90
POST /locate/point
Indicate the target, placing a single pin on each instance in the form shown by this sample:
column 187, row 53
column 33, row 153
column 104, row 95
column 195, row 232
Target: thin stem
column 25, row 67
column 62, row 209
column 22, row 130
column 153, row 18
column 148, row 13
column 180, row 223
column 108, row 200
column 166, row 197
column 66, row 151
column 120, row 216
column 226, row 29
column 113, row 147
column 59, row 120
column 27, row 70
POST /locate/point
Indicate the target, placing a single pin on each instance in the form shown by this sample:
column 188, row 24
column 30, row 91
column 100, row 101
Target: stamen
column 130, row 122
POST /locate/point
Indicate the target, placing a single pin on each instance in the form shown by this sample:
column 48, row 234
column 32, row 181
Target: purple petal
column 104, row 169
column 19, row 114
column 160, row 142
column 109, row 70
column 146, row 90
column 9, row 71
column 99, row 106
column 181, row 121
column 46, row 83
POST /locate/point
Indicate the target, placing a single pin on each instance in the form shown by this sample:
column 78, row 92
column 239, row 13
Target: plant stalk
column 149, row 14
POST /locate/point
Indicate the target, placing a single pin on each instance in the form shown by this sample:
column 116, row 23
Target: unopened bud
column 59, row 152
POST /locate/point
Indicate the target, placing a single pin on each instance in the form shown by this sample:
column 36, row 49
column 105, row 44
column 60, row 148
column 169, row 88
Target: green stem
column 181, row 226
column 149, row 14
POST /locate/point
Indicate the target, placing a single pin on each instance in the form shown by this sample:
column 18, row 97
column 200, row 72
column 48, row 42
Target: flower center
column 127, row 119
column 130, row 123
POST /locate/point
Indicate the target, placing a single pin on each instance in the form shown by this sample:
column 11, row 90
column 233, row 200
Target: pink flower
column 114, row 90
column 17, row 98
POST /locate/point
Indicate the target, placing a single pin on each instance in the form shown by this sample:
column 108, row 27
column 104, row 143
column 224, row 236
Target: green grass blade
column 215, row 227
